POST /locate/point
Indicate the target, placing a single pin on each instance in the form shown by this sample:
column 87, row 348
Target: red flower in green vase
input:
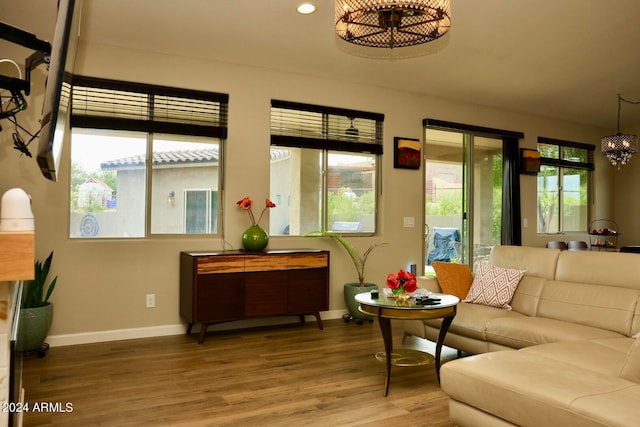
column 246, row 204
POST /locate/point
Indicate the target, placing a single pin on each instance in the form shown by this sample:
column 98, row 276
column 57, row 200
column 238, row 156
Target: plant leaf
column 34, row 295
column 359, row 262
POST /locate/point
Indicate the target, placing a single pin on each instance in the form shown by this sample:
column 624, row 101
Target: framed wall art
column 529, row 161
column 407, row 153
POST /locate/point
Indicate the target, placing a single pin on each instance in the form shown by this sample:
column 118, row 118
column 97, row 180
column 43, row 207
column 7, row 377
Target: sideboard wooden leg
column 319, row 320
column 203, row 333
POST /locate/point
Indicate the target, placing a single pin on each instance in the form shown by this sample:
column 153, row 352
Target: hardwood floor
column 274, row 376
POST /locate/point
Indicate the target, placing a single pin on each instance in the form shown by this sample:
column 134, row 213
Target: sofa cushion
column 454, row 279
column 527, row 388
column 612, row 269
column 527, row 296
column 525, row 331
column 606, row 356
column 631, row 368
column 494, row 286
column 471, row 319
column 429, row 283
column 539, row 262
column 599, row 268
column 600, row 306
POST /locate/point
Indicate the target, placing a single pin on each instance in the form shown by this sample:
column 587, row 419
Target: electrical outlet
column 151, row 300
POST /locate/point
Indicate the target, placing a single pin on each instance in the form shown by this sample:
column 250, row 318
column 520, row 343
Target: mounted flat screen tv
column 57, row 94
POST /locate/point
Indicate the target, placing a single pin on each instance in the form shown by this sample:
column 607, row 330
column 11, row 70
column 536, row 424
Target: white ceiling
column 565, row 59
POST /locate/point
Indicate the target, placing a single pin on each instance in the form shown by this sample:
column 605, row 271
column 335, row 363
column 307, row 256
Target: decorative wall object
column 529, row 161
column 407, row 153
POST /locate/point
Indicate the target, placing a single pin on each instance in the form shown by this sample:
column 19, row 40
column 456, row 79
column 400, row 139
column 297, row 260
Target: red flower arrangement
column 402, row 281
column 246, row 204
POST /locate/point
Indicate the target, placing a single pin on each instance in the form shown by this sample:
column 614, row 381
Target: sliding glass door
column 463, row 196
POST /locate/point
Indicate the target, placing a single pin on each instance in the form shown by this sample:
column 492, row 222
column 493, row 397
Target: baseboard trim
column 166, row 330
column 115, row 335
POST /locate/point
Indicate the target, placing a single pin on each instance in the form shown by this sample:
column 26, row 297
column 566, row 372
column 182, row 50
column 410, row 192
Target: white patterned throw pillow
column 494, row 286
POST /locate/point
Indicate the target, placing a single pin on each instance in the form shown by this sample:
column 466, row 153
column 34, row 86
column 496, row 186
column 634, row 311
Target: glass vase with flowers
column 402, row 283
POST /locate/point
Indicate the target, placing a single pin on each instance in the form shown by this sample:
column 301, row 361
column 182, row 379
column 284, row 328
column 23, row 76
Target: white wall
column 102, row 284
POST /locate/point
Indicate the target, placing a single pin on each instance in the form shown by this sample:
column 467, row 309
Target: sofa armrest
column 429, row 283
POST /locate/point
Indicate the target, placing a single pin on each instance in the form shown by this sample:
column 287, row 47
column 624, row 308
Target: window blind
column 480, row 130
column 111, row 104
column 326, row 128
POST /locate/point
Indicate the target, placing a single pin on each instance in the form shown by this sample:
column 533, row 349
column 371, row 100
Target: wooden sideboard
column 218, row 287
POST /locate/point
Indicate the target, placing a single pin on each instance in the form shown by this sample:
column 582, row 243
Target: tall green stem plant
column 359, row 261
column 34, row 294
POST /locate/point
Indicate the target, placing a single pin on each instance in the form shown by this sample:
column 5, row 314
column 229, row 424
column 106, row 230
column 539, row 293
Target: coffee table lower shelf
column 407, row 357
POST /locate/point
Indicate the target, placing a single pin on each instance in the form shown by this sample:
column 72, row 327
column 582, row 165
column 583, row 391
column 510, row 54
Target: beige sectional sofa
column 563, row 356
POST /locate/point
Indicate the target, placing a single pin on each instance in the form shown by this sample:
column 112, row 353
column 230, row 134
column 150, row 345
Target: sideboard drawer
column 315, row 260
column 265, row 263
column 220, row 264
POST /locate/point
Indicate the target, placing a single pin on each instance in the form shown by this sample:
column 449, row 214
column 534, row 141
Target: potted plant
column 36, row 312
column 353, row 288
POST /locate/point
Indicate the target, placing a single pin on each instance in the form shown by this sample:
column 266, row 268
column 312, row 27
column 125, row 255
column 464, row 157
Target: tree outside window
column 564, row 184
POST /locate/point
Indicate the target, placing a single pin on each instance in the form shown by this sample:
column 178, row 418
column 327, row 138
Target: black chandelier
column 392, row 28
column 620, row 147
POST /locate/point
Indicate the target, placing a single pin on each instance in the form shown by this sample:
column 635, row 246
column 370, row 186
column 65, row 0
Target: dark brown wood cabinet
column 217, row 287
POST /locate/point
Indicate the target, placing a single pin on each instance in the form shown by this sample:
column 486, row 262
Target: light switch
column 409, row 221
column 525, row 222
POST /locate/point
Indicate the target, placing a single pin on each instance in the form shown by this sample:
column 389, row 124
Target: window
column 144, row 159
column 324, row 166
column 564, row 185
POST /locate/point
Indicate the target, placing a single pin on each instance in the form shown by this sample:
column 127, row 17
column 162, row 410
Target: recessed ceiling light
column 306, row 8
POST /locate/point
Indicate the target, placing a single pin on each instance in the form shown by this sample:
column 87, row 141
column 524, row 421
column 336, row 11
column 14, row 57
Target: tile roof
column 276, row 155
column 208, row 155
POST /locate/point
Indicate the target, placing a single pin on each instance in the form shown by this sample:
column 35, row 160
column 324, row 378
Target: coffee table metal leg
column 446, row 322
column 385, row 328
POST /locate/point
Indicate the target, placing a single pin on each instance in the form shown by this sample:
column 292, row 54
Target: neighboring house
column 94, row 193
column 184, row 196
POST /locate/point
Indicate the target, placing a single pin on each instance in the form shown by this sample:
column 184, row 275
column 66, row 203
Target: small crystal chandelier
column 392, row 28
column 620, row 147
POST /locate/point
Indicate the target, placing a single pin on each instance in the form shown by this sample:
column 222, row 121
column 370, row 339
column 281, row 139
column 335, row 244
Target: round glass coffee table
column 385, row 309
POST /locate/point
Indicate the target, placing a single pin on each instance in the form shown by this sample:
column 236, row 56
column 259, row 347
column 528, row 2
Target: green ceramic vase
column 350, row 292
column 255, row 238
column 33, row 327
